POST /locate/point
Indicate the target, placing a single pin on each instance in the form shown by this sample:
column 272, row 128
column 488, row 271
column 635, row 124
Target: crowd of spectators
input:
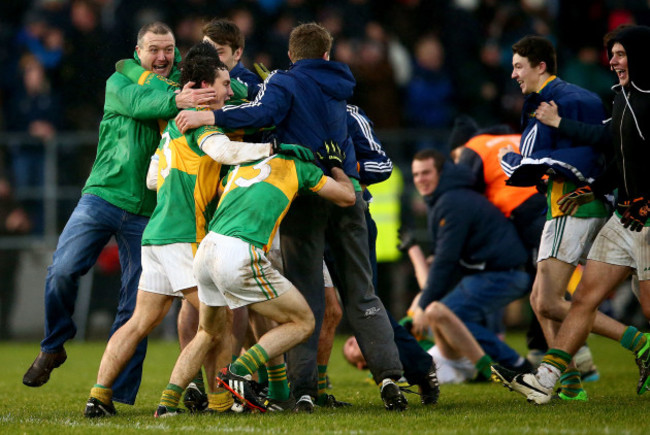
column 418, row 63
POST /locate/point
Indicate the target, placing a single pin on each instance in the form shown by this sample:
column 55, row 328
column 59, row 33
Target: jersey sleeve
column 310, row 176
column 374, row 165
column 202, row 133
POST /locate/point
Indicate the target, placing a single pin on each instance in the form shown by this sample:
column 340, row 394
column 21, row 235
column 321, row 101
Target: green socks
column 322, row 379
column 571, row 386
column 278, row 382
column 262, row 376
column 198, row 381
column 248, row 363
column 633, row 339
column 171, row 396
column 483, row 366
column 557, row 358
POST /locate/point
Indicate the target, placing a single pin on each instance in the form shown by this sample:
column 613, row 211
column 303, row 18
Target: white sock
column 547, row 375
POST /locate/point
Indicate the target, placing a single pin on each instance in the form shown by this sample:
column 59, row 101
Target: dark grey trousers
column 311, row 221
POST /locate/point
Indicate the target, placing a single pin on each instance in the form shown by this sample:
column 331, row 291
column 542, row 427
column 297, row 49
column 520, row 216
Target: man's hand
column 636, row 215
column 505, row 150
column 303, row 153
column 420, row 324
column 333, row 157
column 190, row 97
column 189, row 119
column 406, row 240
column 261, row 70
column 547, row 114
column 18, row 222
column 570, row 202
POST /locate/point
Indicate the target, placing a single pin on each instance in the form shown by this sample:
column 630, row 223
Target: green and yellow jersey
column 258, row 195
column 188, row 181
column 556, row 189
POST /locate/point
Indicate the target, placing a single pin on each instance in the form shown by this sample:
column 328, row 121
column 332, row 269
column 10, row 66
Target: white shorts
column 452, row 371
column 167, row 269
column 232, row 272
column 275, row 253
column 568, row 238
column 621, row 247
column 327, row 278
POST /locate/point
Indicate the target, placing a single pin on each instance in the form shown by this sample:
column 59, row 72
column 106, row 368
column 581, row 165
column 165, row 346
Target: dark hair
column 438, row 157
column 609, row 36
column 635, row 40
column 309, row 41
column 224, row 32
column 201, row 64
column 465, row 128
column 157, row 28
column 537, row 50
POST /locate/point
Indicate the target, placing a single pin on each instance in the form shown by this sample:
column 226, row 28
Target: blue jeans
column 477, row 296
column 89, row 228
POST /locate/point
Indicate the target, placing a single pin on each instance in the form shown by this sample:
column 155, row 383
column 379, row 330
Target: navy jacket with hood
column 306, row 103
column 469, row 233
column 543, row 150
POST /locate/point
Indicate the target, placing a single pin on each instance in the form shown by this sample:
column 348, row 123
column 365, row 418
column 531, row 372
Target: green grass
column 57, row 407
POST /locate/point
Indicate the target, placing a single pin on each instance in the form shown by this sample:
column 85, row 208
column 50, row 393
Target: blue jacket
column 544, row 150
column 374, row 165
column 469, row 233
column 306, row 103
column 245, row 76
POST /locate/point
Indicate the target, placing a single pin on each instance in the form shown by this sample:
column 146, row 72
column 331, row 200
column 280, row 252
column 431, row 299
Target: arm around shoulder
column 339, row 189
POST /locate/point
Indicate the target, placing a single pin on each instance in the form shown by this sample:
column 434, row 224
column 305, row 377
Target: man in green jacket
column 115, row 202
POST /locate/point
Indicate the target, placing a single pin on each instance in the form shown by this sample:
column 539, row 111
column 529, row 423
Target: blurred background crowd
column 418, row 64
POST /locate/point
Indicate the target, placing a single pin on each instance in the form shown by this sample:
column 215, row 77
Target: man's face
column 157, row 53
column 226, row 54
column 618, row 62
column 222, row 87
column 352, row 353
column 526, row 75
column 425, row 176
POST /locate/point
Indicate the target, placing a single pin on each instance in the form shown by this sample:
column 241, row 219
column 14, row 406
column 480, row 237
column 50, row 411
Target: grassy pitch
column 57, row 407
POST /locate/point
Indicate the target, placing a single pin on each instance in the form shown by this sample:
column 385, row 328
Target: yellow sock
column 221, row 400
column 101, row 393
column 171, row 396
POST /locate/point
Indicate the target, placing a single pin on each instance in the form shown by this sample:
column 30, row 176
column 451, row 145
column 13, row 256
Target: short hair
column 201, row 64
column 309, row 41
column 224, row 32
column 537, row 49
column 157, row 28
column 438, row 157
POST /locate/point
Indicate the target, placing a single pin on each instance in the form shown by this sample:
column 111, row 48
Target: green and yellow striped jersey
column 257, row 195
column 188, row 181
column 556, row 189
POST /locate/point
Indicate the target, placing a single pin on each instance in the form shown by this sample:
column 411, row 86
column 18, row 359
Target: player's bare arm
column 339, row 189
